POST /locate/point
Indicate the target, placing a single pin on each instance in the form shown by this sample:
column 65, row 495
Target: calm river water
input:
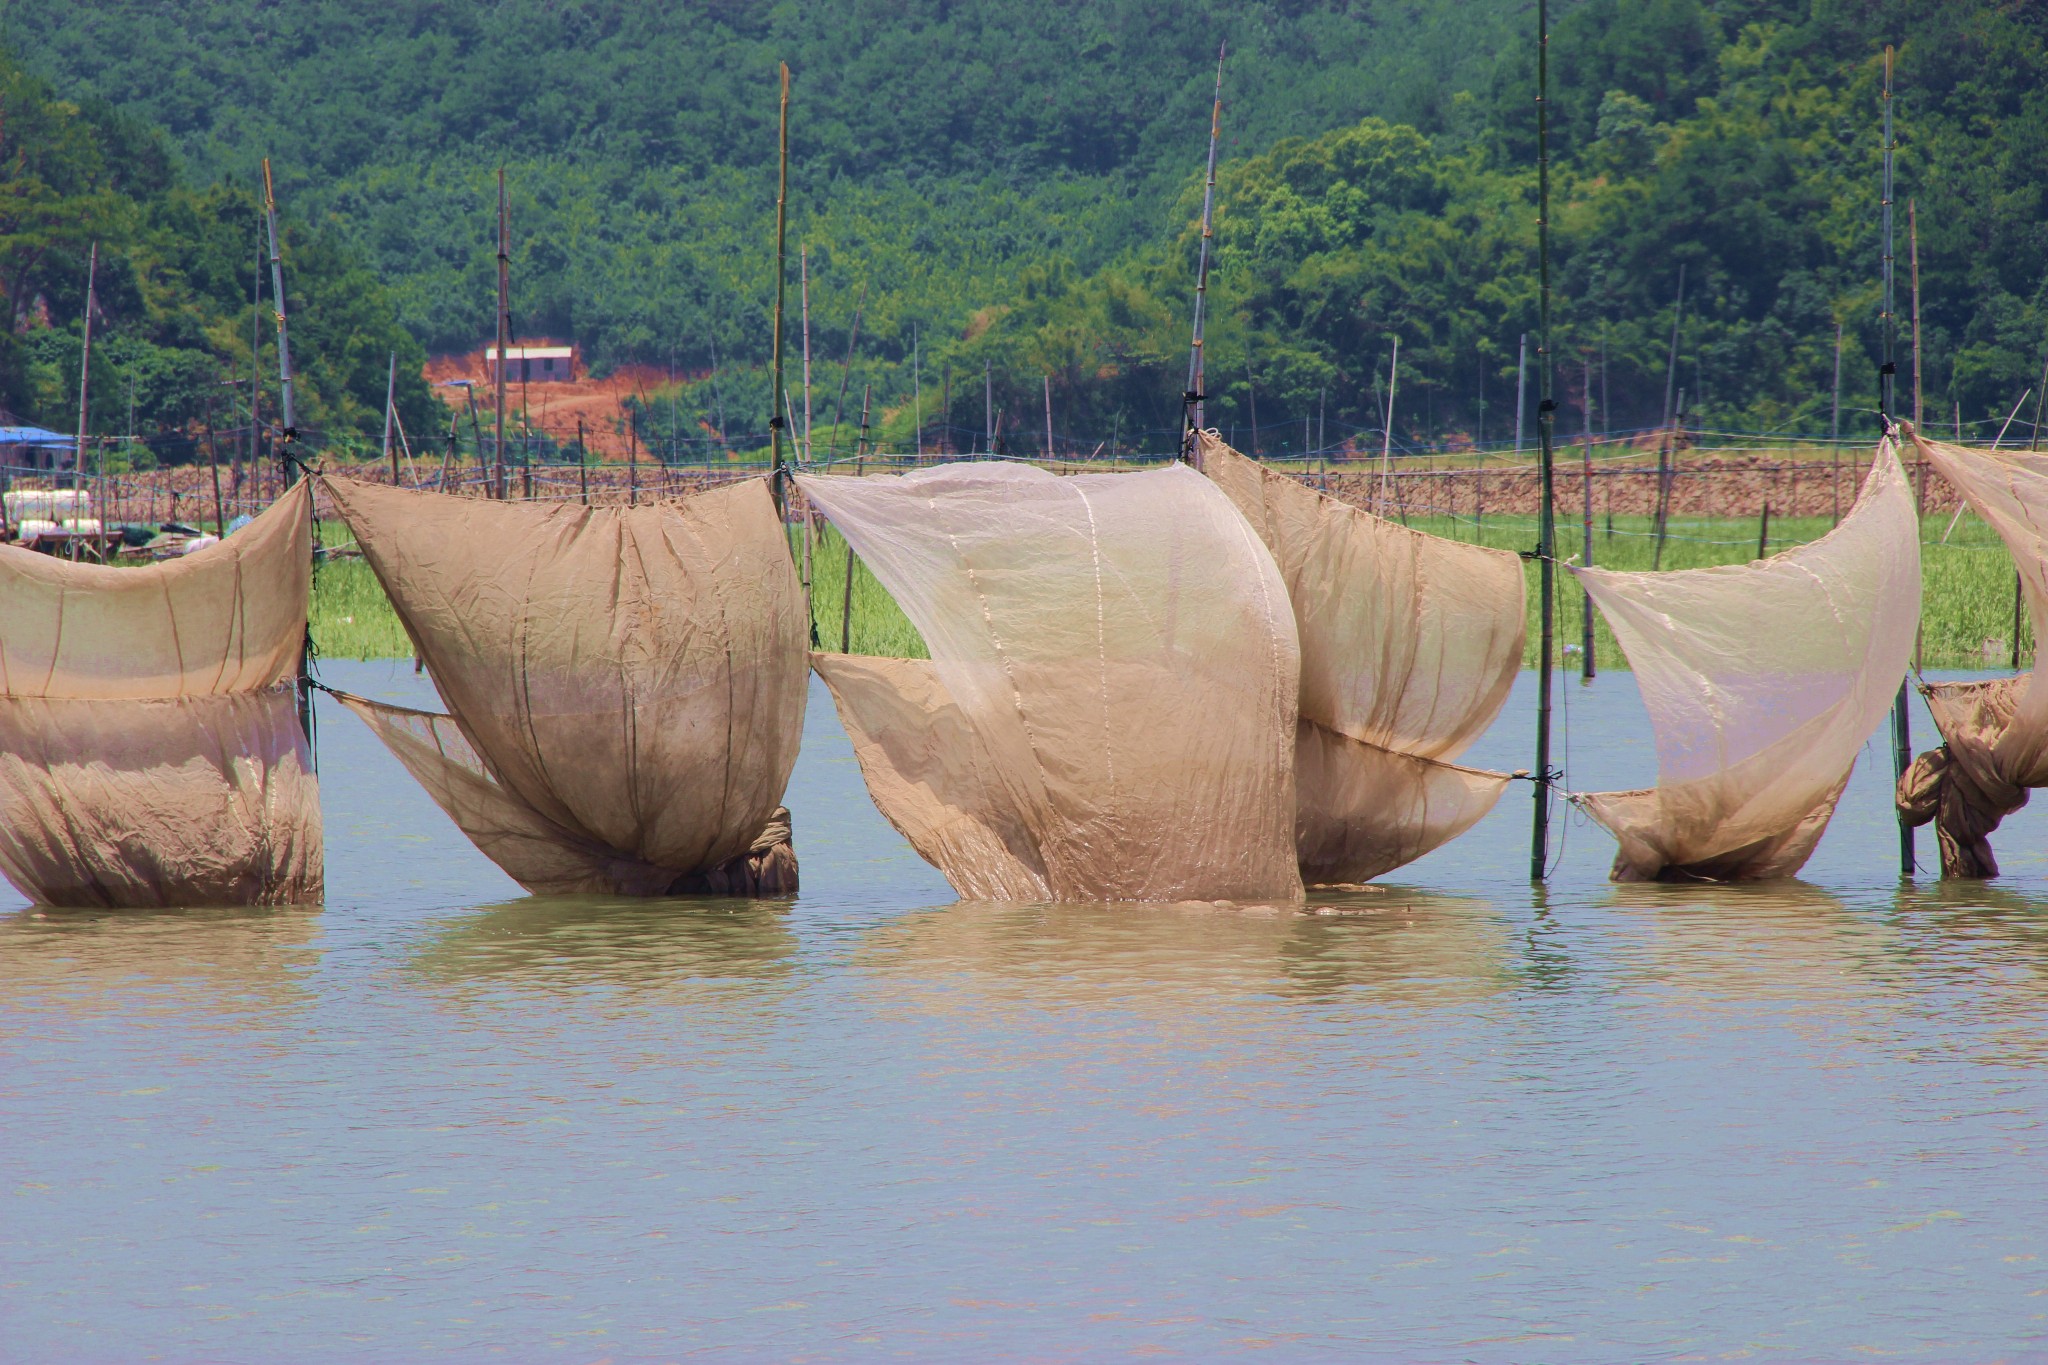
column 1445, row 1120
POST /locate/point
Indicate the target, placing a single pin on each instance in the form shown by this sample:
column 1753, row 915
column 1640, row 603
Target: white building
column 535, row 364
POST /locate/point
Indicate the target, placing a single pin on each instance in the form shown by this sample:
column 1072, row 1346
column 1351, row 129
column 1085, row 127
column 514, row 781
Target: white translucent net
column 2009, row 490
column 1762, row 681
column 1409, row 645
column 150, row 749
column 1109, row 710
column 626, row 685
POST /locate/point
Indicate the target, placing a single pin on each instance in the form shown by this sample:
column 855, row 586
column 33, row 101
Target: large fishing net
column 625, row 686
column 1109, row 709
column 1762, row 681
column 1994, row 733
column 1409, row 644
column 150, row 749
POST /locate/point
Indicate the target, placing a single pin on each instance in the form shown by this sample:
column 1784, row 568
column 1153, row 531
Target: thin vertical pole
column 846, row 372
column 582, row 462
column 255, row 364
column 1835, row 432
column 1902, row 735
column 390, row 396
column 633, row 458
column 1913, row 240
column 916, row 391
column 1251, row 393
column 1194, row 400
column 1666, row 439
column 803, row 258
column 1546, row 545
column 1048, row 415
column 1521, row 390
column 504, row 332
column 946, row 409
column 988, row 406
column 1586, row 666
column 2040, row 402
column 1386, row 427
column 284, row 348
column 220, row 516
column 778, row 475
column 846, row 585
column 1763, row 532
column 92, row 272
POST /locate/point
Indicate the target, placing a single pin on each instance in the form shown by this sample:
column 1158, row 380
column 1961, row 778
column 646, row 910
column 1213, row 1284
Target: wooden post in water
column 1902, row 735
column 1193, row 399
column 1546, row 543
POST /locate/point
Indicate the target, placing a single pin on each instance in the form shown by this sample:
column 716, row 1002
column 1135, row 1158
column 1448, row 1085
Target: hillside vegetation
column 1015, row 187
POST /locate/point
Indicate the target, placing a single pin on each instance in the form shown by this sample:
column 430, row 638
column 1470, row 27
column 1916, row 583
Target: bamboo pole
column 1902, row 735
column 988, row 405
column 582, row 463
column 803, row 258
column 255, row 365
column 846, row 372
column 1835, row 432
column 1048, row 415
column 1193, row 399
column 1386, row 427
column 1546, row 545
column 1913, row 240
column 1521, row 391
column 846, row 586
column 390, row 396
column 1251, row 393
column 1587, row 670
column 284, row 348
column 92, row 271
column 504, row 333
column 1667, row 439
column 916, row 391
column 220, row 518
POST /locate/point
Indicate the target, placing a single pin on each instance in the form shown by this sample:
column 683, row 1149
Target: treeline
column 176, row 291
column 1009, row 190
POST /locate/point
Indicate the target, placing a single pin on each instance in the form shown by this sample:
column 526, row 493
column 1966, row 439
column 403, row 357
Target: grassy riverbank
column 1968, row 586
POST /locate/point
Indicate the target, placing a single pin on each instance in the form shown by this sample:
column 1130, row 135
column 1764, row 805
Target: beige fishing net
column 1109, row 709
column 1994, row 733
column 1409, row 644
column 1762, row 681
column 150, row 749
column 626, row 686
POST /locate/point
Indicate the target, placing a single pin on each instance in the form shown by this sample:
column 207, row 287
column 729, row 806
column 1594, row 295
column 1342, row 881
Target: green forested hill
column 1017, row 182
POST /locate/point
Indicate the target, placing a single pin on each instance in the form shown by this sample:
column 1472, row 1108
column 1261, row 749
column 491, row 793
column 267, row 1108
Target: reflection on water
column 1393, row 945
column 571, row 943
column 225, row 962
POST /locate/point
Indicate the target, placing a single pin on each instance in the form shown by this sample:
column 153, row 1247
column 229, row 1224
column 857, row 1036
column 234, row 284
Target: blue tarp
column 34, row 436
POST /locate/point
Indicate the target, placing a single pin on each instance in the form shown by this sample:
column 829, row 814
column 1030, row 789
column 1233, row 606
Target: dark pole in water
column 1193, row 399
column 1546, row 407
column 1902, row 733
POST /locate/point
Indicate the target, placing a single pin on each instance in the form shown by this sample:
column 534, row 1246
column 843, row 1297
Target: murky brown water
column 1444, row 1120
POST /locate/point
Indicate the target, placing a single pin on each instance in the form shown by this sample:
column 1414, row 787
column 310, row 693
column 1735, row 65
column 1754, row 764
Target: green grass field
column 1968, row 584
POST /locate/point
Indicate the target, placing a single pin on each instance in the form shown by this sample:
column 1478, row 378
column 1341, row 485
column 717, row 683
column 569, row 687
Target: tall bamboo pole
column 390, row 396
column 916, row 391
column 1521, row 390
column 846, row 372
column 1193, row 399
column 988, row 405
column 255, row 364
column 504, row 331
column 1386, row 428
column 284, row 346
column 1835, row 431
column 846, row 585
column 1546, row 542
column 1586, row 667
column 778, row 478
column 291, row 430
column 1902, row 734
column 1665, row 441
column 1913, row 240
column 92, row 272
column 220, row 516
column 1048, row 415
column 803, row 260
